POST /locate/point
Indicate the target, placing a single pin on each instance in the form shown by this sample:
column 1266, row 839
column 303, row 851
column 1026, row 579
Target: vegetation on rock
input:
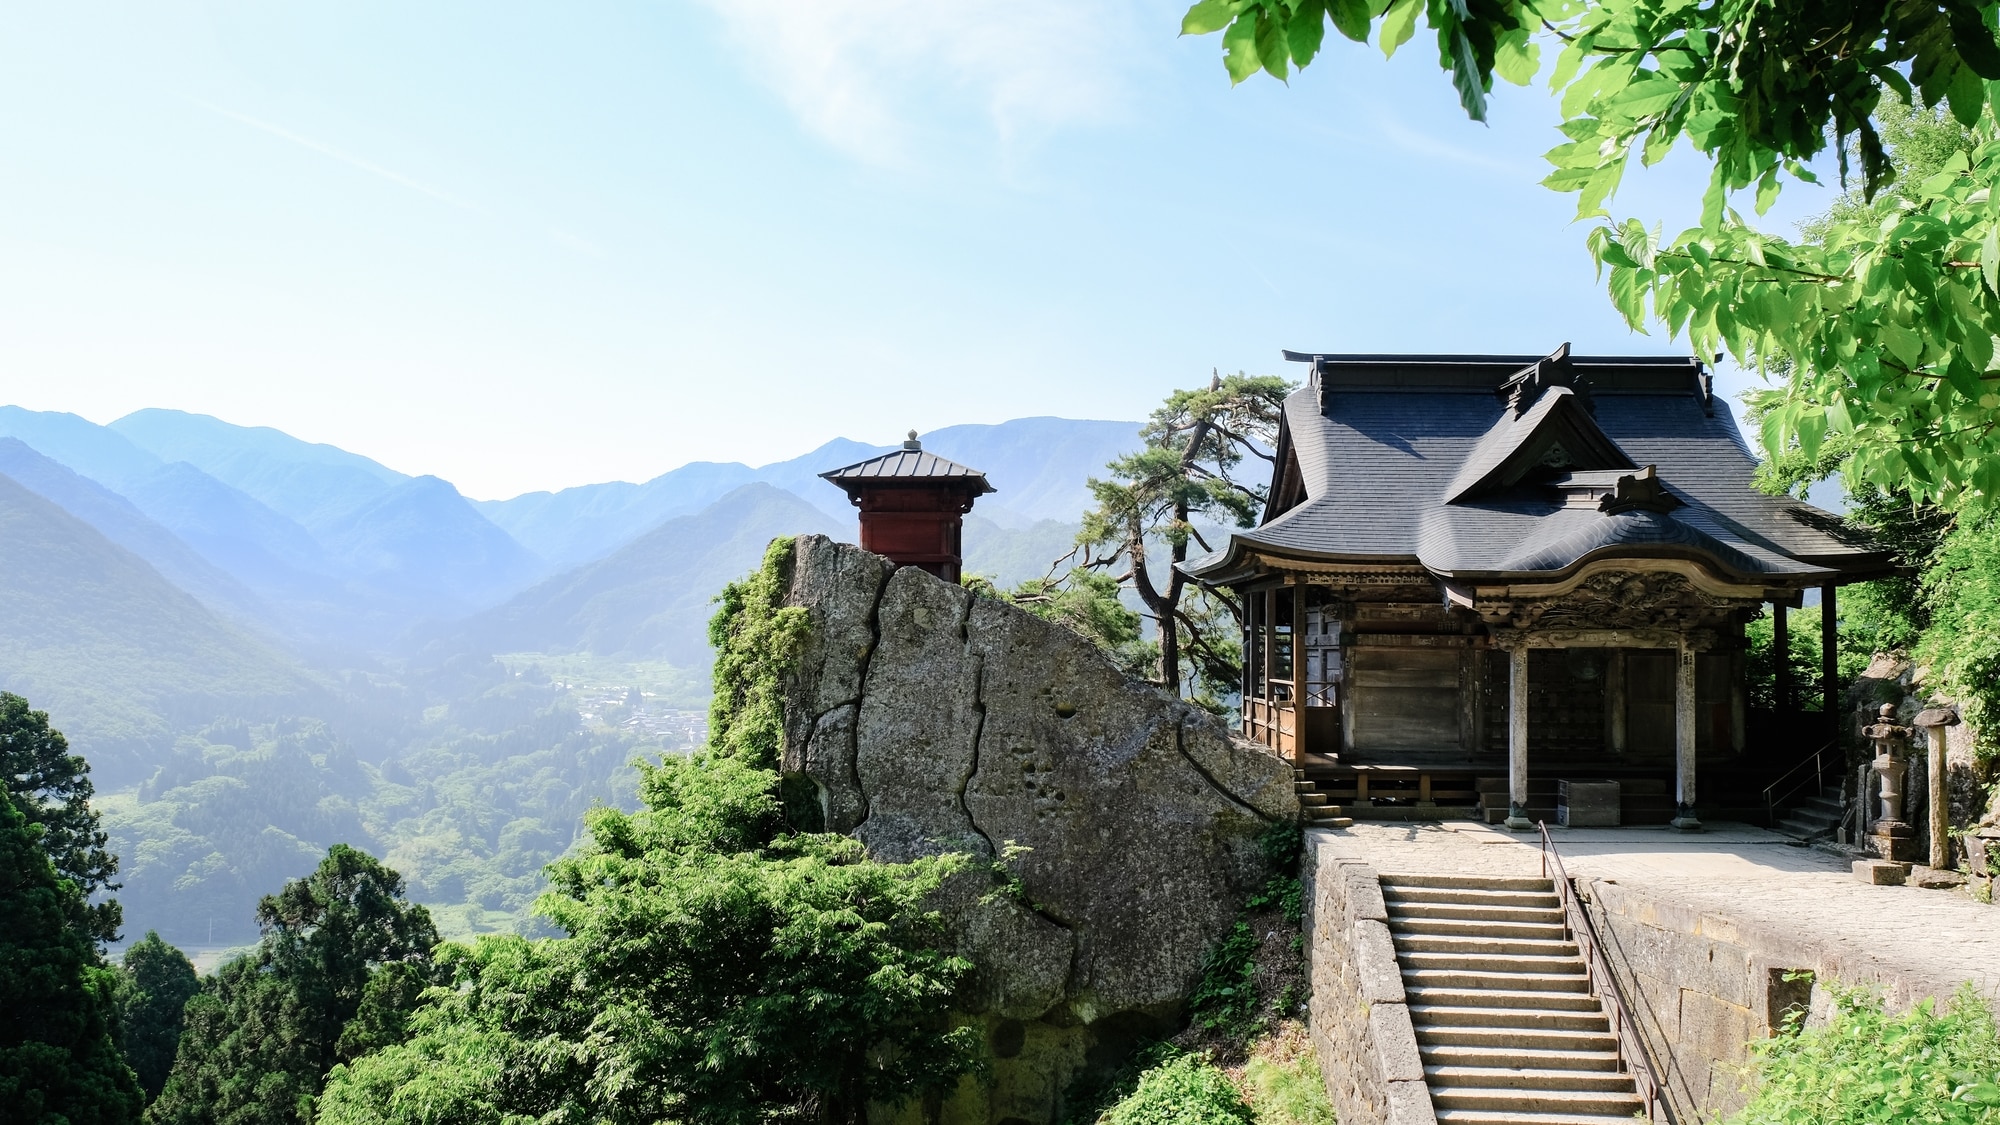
column 1865, row 1067
column 718, row 966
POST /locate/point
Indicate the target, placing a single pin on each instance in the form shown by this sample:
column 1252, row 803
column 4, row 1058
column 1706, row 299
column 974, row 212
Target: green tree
column 59, row 1058
column 155, row 981
column 1086, row 602
column 264, row 1031
column 1880, row 326
column 719, row 967
column 52, row 788
column 1195, row 444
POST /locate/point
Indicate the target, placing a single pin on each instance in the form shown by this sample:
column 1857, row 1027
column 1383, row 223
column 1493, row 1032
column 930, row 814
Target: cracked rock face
column 932, row 721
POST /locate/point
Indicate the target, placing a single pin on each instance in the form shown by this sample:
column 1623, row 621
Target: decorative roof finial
column 913, row 443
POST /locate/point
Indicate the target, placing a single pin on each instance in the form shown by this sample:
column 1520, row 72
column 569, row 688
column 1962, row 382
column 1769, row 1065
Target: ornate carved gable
column 1614, row 599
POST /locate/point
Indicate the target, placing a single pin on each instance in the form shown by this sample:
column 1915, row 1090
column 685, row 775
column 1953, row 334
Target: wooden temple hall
column 1499, row 583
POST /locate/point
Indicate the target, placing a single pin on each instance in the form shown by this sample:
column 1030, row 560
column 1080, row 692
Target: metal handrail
column 1632, row 1052
column 1817, row 761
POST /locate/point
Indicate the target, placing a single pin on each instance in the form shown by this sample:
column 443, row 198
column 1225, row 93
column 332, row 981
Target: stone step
column 1474, row 928
column 1511, row 1117
column 1314, row 799
column 1499, row 982
column 1517, row 1101
column 1516, row 1038
column 1532, row 1019
column 1481, row 946
column 1475, row 912
column 1477, row 882
column 1792, row 826
column 1537, row 1078
column 1526, row 1058
column 1469, row 896
column 1495, row 961
column 1545, row 999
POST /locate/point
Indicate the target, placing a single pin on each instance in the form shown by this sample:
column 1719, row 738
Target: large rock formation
column 930, row 720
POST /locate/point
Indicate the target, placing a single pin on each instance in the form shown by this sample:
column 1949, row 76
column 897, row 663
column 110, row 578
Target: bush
column 1184, row 1090
column 1868, row 1068
column 1963, row 643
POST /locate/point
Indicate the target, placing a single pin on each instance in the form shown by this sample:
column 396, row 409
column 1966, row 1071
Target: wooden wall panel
column 1404, row 699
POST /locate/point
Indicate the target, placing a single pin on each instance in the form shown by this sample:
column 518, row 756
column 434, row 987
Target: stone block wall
column 1703, row 988
column 1360, row 1019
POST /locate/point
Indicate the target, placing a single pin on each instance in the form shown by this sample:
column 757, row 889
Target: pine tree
column 153, row 990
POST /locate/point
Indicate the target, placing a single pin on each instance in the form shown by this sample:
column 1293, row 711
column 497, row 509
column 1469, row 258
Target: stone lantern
column 1890, row 836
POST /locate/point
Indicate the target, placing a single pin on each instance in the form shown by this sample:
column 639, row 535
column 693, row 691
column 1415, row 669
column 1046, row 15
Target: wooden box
column 1587, row 804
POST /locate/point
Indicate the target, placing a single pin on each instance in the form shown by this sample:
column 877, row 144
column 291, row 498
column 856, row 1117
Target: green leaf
column 1306, row 30
column 1351, row 18
column 1239, row 48
column 1271, row 47
column 1209, row 16
column 1465, row 75
column 1767, row 189
column 1647, row 95
column 1398, row 24
column 1516, row 57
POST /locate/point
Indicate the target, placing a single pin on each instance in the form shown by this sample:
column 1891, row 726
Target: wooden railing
column 1275, row 723
column 1632, row 1052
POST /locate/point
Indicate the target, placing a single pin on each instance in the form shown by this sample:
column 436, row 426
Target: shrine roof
column 1494, row 467
column 910, row 465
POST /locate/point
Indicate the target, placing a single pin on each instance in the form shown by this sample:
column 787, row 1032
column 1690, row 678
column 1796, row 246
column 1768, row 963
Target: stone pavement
column 1912, row 942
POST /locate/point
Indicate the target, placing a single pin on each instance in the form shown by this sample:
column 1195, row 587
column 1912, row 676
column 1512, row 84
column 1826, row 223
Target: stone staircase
column 1813, row 818
column 1507, row 1026
column 1316, row 808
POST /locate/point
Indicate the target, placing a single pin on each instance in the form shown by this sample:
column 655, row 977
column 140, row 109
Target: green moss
column 756, row 637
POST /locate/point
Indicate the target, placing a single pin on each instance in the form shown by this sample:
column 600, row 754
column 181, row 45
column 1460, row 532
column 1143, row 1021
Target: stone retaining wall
column 1360, row 1021
column 1703, row 987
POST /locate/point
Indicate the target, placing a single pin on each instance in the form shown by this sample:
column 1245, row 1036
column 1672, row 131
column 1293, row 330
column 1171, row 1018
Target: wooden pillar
column 1829, row 654
column 1781, row 659
column 1517, row 738
column 1298, row 746
column 1739, row 704
column 1614, row 701
column 1684, row 719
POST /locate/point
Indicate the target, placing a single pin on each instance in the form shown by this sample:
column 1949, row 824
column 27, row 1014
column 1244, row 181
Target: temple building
column 913, row 506
column 1480, row 577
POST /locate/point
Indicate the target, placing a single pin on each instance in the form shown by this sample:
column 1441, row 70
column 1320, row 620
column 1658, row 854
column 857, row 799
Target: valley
column 265, row 647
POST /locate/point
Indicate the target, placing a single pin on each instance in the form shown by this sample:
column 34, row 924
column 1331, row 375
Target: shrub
column 1869, row 1068
column 1184, row 1090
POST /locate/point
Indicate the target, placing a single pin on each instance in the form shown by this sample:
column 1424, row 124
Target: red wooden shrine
column 912, row 505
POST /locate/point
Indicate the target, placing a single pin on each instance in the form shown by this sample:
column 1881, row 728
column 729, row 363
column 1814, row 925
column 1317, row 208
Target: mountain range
column 309, row 563
column 265, row 646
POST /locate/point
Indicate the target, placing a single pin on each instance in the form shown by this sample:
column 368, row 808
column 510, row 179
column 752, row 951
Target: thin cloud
column 867, row 75
column 348, row 159
column 1422, row 144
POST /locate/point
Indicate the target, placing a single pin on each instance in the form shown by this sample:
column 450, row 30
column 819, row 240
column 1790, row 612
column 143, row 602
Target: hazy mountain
column 649, row 600
column 82, row 445
column 1040, row 466
column 118, row 520
column 119, row 657
column 421, row 541
column 1011, row 556
column 310, row 483
column 577, row 525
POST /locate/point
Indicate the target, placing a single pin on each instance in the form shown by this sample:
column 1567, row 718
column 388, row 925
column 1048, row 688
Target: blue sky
column 527, row 246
